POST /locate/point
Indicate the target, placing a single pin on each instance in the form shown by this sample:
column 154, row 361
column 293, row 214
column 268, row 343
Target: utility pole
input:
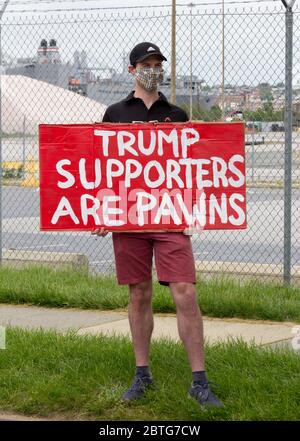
column 191, row 60
column 173, row 56
column 223, row 61
column 4, row 6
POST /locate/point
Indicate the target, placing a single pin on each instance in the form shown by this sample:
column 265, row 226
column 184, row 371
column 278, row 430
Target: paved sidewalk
column 9, row 416
column 60, row 319
column 18, row 417
column 116, row 322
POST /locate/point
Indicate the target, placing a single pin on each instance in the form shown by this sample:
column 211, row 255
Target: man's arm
column 102, row 231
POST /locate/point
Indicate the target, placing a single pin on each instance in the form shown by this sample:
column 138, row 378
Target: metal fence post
column 24, row 148
column 288, row 140
column 223, row 61
column 173, row 55
column 1, row 210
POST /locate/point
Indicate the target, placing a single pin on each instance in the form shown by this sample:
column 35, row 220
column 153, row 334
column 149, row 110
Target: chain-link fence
column 68, row 66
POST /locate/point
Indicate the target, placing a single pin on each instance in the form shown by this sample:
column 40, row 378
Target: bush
column 13, row 173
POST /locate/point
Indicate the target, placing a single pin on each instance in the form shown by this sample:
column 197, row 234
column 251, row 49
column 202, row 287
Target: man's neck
column 148, row 97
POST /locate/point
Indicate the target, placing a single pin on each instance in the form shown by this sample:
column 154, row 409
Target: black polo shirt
column 134, row 109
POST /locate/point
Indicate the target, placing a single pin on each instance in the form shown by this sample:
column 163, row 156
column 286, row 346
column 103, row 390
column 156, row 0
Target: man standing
column 172, row 250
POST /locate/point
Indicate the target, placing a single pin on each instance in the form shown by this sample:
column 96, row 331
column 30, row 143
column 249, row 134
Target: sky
column 254, row 40
column 62, row 4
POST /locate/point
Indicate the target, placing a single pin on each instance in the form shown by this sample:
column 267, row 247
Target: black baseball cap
column 143, row 50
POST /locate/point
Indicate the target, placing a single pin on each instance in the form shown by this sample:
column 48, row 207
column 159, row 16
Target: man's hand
column 100, row 232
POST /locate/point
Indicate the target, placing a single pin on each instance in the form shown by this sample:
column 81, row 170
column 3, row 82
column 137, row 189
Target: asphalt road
column 261, row 242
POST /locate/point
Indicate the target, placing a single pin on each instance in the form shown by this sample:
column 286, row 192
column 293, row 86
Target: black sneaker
column 203, row 394
column 138, row 387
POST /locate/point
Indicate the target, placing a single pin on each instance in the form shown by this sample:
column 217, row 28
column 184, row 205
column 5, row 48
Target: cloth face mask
column 149, row 77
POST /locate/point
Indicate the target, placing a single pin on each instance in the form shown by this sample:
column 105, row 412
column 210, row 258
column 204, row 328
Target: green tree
column 215, row 113
column 264, row 113
column 265, row 92
column 201, row 114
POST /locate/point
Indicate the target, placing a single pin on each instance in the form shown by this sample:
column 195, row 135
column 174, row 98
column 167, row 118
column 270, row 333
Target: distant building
column 45, row 66
column 253, row 99
column 101, row 84
column 48, row 54
column 232, row 102
column 296, row 113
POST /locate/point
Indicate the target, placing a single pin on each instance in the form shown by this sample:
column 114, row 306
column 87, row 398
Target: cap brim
column 149, row 55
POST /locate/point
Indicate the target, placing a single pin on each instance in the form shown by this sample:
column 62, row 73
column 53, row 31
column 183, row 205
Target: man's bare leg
column 190, row 328
column 141, row 320
column 189, row 322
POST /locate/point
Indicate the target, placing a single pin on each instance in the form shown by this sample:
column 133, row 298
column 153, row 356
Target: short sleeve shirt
column 134, row 109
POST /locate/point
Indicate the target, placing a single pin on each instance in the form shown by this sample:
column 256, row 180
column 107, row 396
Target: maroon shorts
column 174, row 259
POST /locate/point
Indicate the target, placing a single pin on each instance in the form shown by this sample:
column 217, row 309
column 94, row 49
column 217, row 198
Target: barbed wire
column 112, row 8
column 32, row 2
column 29, row 2
column 158, row 6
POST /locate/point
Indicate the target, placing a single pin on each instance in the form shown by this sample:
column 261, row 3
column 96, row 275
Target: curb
column 23, row 258
column 260, row 271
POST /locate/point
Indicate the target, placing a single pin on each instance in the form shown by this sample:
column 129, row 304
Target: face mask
column 149, row 77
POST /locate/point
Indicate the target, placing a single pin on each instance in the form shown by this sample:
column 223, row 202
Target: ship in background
column 102, row 84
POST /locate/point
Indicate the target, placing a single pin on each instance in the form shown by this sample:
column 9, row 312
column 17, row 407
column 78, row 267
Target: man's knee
column 184, row 293
column 183, row 288
column 141, row 293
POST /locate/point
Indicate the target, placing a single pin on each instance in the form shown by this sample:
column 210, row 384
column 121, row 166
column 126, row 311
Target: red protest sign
column 164, row 176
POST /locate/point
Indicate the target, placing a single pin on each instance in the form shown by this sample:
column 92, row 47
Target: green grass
column 219, row 297
column 45, row 373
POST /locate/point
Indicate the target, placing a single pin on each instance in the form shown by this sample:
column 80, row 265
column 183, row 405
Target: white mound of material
column 43, row 103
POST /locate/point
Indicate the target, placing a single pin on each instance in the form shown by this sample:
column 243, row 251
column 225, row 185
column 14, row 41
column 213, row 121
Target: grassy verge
column 219, row 297
column 46, row 373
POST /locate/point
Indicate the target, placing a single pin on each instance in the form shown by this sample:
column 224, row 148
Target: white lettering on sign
column 127, row 142
column 151, row 161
